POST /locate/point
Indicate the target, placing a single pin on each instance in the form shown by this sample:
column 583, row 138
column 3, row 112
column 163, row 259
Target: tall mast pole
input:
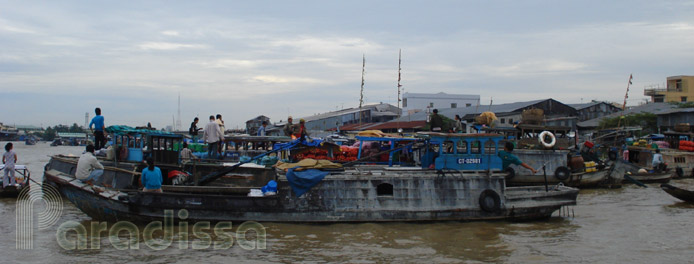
column 361, row 94
column 624, row 106
column 399, row 69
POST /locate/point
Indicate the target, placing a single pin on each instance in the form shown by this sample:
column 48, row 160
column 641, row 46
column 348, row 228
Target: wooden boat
column 13, row 190
column 655, row 177
column 682, row 194
column 462, row 185
column 632, row 170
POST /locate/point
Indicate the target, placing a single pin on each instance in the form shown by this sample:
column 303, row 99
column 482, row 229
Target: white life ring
column 547, row 144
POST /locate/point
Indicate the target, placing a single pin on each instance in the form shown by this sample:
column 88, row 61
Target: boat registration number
column 469, row 161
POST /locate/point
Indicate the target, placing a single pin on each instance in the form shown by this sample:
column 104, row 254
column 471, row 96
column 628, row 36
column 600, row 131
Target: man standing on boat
column 213, row 136
column 89, row 169
column 289, row 127
column 507, row 158
column 261, row 130
column 436, row 121
column 220, row 122
column 193, row 130
column 99, row 129
column 657, row 162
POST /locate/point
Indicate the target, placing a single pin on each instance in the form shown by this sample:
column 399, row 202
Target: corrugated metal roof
column 451, row 112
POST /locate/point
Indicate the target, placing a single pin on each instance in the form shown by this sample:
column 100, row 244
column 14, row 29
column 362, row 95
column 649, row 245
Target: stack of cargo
column 686, row 145
column 590, row 166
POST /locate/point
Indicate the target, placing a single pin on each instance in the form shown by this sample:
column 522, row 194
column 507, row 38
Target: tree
column 647, row 121
column 49, row 134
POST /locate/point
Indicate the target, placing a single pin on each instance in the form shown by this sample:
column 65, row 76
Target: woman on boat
column 9, row 159
column 151, row 177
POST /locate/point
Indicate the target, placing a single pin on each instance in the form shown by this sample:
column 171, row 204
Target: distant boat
column 30, row 141
column 57, row 142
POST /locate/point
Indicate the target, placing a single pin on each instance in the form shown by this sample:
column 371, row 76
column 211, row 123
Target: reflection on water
column 632, row 224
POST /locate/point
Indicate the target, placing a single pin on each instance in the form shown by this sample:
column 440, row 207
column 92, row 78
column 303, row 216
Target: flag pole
column 624, row 106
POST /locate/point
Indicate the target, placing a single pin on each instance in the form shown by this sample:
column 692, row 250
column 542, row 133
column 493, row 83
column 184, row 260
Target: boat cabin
column 474, row 152
column 135, row 145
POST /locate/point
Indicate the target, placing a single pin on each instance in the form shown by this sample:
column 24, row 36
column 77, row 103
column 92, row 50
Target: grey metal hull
column 349, row 196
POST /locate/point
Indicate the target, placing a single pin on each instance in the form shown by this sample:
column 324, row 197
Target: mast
column 624, row 106
column 178, row 121
column 399, row 69
column 361, row 94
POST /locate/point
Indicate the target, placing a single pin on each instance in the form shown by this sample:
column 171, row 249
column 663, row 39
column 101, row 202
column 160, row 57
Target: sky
column 61, row 59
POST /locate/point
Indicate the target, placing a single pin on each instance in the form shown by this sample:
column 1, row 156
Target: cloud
column 170, row 33
column 169, row 46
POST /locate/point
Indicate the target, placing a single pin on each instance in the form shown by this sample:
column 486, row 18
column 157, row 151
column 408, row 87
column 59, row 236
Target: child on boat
column 9, row 159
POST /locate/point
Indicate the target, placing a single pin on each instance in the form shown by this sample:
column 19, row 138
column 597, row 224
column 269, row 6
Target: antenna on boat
column 361, row 94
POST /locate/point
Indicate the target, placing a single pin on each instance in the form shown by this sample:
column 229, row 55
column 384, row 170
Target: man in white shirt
column 657, row 162
column 89, row 170
column 213, row 136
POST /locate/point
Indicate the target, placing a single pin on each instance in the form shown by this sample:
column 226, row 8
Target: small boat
column 460, row 183
column 22, row 182
column 679, row 193
column 651, row 177
column 632, row 170
column 30, row 141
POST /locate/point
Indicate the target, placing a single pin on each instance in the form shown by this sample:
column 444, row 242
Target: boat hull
column 354, row 196
column 682, row 194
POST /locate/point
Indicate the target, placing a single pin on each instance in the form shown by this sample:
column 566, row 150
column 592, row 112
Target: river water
column 628, row 225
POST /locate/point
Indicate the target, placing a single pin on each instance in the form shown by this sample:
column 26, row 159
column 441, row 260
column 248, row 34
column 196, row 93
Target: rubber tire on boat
column 490, row 201
column 562, row 173
column 549, row 144
column 510, row 173
column 679, row 172
column 612, row 155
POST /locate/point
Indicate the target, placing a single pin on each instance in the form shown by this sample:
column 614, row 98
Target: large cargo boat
column 451, row 183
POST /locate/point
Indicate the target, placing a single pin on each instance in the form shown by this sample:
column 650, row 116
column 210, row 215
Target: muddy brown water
column 628, row 225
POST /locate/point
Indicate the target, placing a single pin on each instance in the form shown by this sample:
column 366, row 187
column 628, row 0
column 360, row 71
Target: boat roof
column 131, row 130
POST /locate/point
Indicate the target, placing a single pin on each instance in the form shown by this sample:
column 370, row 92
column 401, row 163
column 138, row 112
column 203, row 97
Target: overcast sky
column 61, row 59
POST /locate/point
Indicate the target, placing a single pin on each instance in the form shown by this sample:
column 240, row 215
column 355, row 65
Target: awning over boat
column 130, row 130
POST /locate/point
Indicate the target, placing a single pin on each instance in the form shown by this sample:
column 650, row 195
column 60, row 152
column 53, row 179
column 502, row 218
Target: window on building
column 678, row 85
column 431, row 104
column 510, row 120
column 503, row 121
column 454, row 105
column 468, row 105
column 684, row 99
column 404, row 102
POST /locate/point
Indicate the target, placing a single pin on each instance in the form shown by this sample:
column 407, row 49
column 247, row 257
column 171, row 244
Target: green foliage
column 447, row 124
column 683, row 105
column 50, row 132
column 647, row 121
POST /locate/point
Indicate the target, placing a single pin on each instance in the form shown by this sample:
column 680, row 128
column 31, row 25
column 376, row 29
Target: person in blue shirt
column 507, row 158
column 99, row 129
column 151, row 177
column 261, row 130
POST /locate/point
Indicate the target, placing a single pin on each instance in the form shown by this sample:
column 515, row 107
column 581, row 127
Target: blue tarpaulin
column 291, row 144
column 302, row 181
